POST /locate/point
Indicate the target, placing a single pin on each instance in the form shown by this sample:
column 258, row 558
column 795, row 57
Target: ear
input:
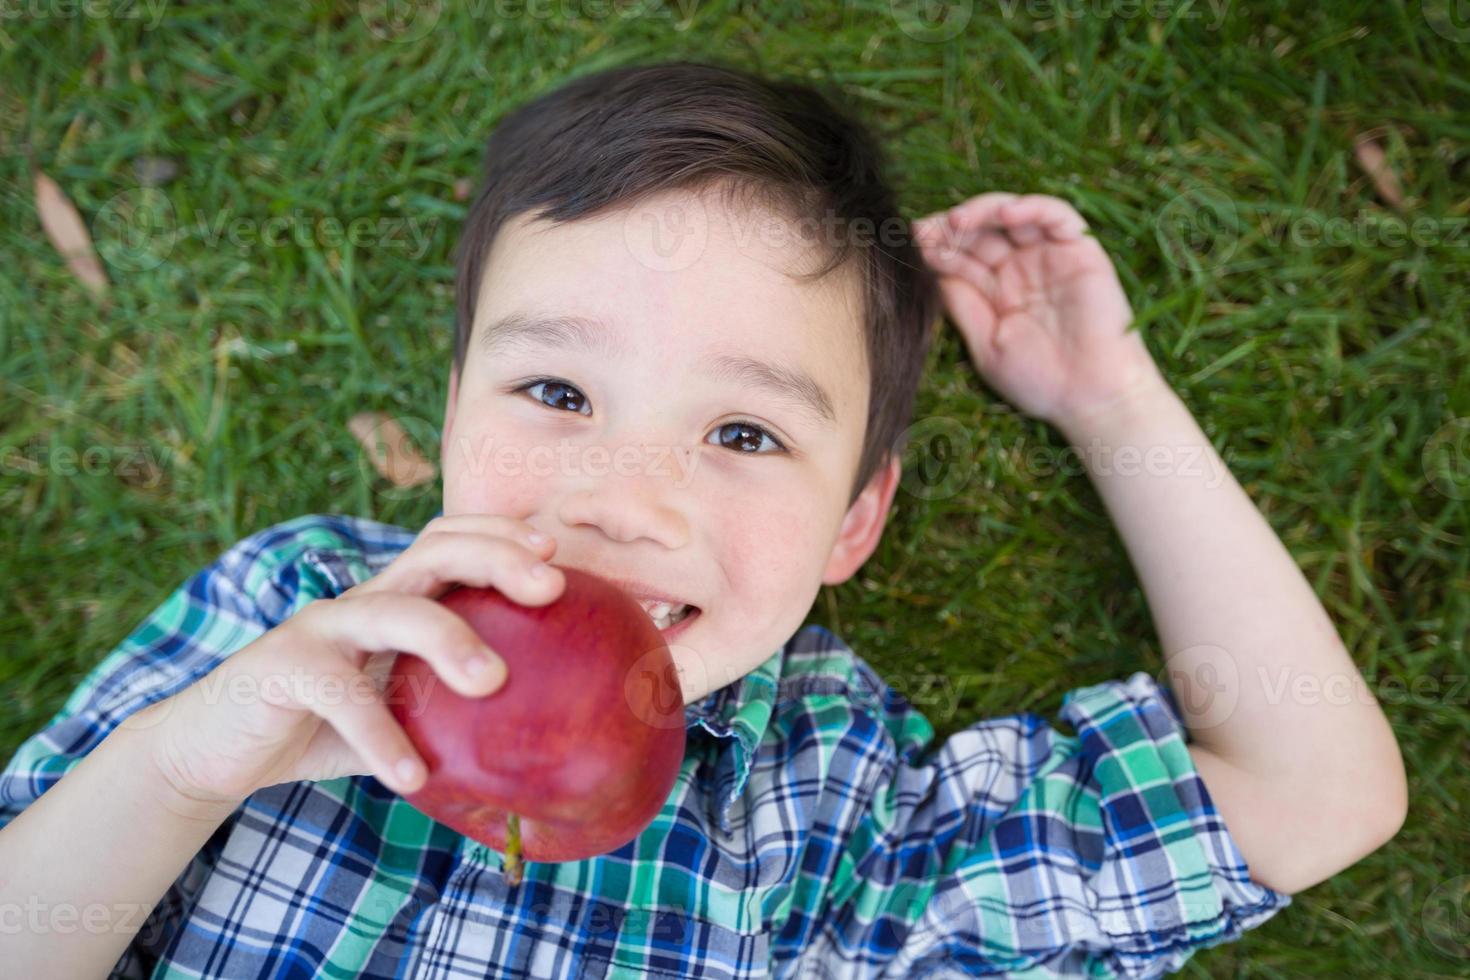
column 863, row 525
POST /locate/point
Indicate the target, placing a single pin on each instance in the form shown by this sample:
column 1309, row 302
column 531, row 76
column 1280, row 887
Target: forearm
column 1261, row 676
column 82, row 867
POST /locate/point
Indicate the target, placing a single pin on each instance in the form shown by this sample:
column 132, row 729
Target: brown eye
column 559, row 395
column 746, row 438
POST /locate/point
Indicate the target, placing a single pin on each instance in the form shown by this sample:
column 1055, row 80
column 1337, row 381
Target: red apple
column 576, row 753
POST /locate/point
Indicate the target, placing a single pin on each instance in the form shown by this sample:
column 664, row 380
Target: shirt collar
column 736, row 715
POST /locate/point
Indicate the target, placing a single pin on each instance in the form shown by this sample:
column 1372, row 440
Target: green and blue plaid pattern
column 813, row 831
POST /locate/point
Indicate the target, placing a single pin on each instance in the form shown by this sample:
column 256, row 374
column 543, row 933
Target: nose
column 626, row 511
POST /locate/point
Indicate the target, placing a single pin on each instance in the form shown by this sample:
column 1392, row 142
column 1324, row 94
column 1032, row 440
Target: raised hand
column 1038, row 304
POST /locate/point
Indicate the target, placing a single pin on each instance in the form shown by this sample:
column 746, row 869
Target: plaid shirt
column 812, row 831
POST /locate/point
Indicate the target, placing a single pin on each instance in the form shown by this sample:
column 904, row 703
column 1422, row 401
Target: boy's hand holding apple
column 313, row 707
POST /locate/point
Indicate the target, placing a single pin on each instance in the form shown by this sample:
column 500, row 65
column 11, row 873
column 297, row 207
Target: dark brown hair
column 610, row 138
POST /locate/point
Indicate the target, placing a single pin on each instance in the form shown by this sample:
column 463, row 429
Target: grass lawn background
column 1208, row 147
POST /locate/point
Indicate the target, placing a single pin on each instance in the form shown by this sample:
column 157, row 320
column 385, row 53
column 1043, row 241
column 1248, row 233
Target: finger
column 944, row 256
column 1026, row 234
column 1010, row 291
column 936, row 252
column 368, row 727
column 980, row 211
column 929, row 230
column 438, row 560
column 959, row 226
column 966, row 222
column 973, row 314
column 1054, row 216
column 500, row 524
column 935, row 236
column 328, row 756
column 383, row 622
column 379, row 666
column 992, row 248
column 966, row 265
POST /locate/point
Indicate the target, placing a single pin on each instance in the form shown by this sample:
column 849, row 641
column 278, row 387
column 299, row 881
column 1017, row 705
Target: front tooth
column 659, row 610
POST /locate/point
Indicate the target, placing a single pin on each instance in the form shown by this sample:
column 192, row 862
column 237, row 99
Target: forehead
column 681, row 278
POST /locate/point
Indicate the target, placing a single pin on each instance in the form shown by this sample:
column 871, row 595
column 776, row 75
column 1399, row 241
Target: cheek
column 487, row 475
column 769, row 546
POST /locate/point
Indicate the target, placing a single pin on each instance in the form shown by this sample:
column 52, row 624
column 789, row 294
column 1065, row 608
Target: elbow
column 1379, row 800
column 1334, row 829
column 1385, row 803
column 1390, row 806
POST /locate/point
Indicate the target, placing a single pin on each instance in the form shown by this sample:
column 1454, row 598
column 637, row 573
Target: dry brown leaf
column 462, row 189
column 68, row 233
column 1375, row 163
column 388, row 446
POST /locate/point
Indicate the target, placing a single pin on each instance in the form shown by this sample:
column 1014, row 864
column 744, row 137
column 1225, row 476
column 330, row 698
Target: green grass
column 1322, row 371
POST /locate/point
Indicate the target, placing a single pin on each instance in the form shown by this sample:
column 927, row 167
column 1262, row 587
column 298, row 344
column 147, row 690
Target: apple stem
column 514, row 867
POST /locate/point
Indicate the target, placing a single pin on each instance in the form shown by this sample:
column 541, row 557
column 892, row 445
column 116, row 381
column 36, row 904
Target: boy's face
column 637, row 460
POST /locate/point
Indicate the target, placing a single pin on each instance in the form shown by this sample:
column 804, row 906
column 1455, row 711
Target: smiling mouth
column 667, row 615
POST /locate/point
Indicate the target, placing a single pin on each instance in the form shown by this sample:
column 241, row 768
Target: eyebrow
column 540, row 331
column 537, row 331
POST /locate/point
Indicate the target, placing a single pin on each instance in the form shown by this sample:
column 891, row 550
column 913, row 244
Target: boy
column 638, row 273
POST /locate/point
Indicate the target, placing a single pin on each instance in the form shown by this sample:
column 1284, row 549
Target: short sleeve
column 208, row 617
column 1014, row 848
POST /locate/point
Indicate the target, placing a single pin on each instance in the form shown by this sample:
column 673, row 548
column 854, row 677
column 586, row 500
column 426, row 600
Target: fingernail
column 478, row 666
column 407, row 771
column 536, row 537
